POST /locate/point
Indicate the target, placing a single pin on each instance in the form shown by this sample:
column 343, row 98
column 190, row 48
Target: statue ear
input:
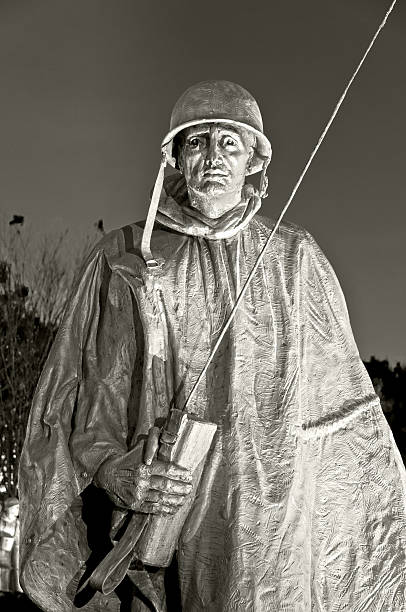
column 251, row 155
column 177, row 151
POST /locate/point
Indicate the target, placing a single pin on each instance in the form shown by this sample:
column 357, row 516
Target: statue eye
column 194, row 143
column 230, row 142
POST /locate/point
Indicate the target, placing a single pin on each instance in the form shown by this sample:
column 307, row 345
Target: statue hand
column 157, row 488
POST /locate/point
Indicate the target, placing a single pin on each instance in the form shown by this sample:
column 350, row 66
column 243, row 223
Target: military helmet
column 209, row 102
column 219, row 102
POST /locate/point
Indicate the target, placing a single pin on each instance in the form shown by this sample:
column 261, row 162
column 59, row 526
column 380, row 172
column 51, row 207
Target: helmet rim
column 263, row 148
column 219, row 101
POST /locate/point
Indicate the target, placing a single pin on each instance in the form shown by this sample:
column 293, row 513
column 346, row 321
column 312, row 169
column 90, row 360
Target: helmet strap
column 153, row 207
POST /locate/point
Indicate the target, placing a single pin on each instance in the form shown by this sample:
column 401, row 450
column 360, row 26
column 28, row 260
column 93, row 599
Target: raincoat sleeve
column 78, row 418
column 353, row 481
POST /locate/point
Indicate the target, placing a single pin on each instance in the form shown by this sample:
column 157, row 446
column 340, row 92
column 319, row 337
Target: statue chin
column 214, row 200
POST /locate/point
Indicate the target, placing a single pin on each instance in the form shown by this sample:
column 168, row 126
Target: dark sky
column 88, row 87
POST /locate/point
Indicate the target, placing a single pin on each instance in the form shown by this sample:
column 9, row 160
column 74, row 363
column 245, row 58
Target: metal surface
column 303, row 470
column 208, row 102
column 301, row 505
column 219, row 102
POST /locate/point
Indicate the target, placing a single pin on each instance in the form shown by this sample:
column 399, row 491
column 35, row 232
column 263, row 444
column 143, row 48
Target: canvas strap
column 150, row 261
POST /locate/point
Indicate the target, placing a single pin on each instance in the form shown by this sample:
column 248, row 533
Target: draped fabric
column 301, row 506
column 174, row 212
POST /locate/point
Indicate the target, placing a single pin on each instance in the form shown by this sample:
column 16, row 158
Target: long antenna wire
column 285, row 208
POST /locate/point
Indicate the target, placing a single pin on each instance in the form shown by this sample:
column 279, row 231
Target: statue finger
column 166, row 509
column 170, row 470
column 175, row 472
column 161, row 483
column 153, row 496
column 172, row 500
column 149, row 508
column 158, row 508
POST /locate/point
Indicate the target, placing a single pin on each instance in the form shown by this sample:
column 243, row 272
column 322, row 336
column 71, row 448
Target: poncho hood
column 175, row 211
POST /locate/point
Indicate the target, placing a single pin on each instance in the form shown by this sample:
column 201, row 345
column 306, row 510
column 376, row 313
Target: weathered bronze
column 214, row 158
column 299, row 503
column 219, row 102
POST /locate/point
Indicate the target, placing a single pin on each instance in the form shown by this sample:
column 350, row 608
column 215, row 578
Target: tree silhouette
column 24, row 344
column 34, row 284
column 390, row 386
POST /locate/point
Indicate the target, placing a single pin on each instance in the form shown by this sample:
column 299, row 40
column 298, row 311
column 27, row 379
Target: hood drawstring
column 150, row 261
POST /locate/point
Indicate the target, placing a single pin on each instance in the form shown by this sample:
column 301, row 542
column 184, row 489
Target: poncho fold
column 301, row 506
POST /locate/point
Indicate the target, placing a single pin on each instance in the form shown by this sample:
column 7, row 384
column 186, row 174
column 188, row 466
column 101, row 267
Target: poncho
column 301, row 506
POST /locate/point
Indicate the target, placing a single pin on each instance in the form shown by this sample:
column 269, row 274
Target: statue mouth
column 213, row 173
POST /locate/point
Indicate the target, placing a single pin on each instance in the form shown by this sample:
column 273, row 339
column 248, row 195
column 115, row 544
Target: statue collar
column 175, row 212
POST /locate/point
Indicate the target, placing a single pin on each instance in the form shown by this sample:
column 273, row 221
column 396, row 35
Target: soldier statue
column 299, row 504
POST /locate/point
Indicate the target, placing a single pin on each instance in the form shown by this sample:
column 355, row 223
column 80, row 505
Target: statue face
column 214, row 160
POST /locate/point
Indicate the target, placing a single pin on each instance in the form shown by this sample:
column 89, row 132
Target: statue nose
column 212, row 162
column 213, row 157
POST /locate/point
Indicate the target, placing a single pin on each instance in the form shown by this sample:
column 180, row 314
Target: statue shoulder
column 288, row 234
column 117, row 242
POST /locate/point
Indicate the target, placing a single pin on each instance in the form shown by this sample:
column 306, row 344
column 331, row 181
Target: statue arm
column 107, row 410
column 108, row 393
